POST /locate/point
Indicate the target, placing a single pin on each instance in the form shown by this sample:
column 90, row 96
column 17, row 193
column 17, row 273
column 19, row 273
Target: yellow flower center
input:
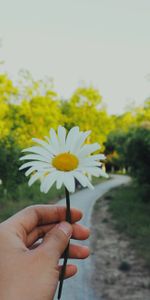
column 65, row 162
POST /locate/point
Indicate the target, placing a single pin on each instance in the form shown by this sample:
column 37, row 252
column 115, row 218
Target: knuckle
column 59, row 237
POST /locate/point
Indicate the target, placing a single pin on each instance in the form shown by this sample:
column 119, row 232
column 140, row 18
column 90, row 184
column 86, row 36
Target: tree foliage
column 131, row 151
column 138, row 153
column 30, row 107
column 115, row 149
column 7, row 88
column 9, row 163
column 86, row 110
column 34, row 118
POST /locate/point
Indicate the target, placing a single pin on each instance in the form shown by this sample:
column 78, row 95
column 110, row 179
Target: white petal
column 89, row 185
column 89, row 164
column 77, row 145
column 89, row 160
column 46, row 138
column 39, row 169
column 98, row 157
column 93, row 171
column 87, row 149
column 48, row 181
column 81, row 178
column 34, row 164
column 29, row 171
column 74, row 141
column 62, row 138
column 71, row 137
column 69, row 182
column 45, row 145
column 104, row 174
column 33, row 178
column 41, row 188
column 59, row 180
column 49, row 185
column 54, row 141
column 38, row 150
column 35, row 157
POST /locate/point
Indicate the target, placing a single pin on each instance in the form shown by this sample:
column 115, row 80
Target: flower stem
column 66, row 252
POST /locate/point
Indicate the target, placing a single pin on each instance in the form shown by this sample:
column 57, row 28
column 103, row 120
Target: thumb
column 56, row 241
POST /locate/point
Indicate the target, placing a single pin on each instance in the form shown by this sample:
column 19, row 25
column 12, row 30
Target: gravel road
column 79, row 287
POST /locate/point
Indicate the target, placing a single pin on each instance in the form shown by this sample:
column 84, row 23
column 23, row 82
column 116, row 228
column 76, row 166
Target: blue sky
column 101, row 42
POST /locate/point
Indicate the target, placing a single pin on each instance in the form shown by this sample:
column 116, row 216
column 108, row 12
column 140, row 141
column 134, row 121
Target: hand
column 29, row 269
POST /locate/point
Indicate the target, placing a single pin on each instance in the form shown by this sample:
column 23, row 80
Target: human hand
column 29, row 270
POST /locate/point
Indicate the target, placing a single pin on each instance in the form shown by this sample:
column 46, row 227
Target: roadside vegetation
column 22, row 195
column 131, row 214
column 13, row 201
column 28, row 108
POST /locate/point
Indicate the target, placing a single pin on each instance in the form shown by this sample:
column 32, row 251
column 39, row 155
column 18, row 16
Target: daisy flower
column 63, row 158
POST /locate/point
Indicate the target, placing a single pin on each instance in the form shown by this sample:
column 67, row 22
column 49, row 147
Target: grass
column 97, row 180
column 23, row 196
column 132, row 216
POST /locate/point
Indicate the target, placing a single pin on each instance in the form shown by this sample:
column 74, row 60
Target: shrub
column 9, row 164
column 138, row 154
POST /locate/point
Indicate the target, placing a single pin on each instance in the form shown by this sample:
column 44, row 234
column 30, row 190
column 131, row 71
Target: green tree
column 34, row 118
column 143, row 114
column 7, row 88
column 136, row 117
column 30, row 88
column 7, row 92
column 35, row 109
column 4, row 119
column 86, row 110
column 125, row 121
column 9, row 164
column 115, row 149
column 138, row 154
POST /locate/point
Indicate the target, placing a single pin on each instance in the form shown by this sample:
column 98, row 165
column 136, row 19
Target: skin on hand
column 29, row 269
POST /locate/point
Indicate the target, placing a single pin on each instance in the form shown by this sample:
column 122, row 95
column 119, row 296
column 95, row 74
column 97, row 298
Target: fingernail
column 66, row 228
column 88, row 249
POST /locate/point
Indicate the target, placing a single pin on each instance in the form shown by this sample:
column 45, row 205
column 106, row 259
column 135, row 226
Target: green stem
column 66, row 252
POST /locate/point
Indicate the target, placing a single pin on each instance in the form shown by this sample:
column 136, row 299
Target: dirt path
column 79, row 287
column 112, row 250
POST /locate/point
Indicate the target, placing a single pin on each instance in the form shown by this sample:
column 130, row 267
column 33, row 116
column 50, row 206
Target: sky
column 105, row 43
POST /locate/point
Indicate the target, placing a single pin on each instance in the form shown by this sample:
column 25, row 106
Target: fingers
column 37, row 233
column 70, row 271
column 29, row 218
column 55, row 242
column 78, row 251
column 75, row 251
column 80, row 232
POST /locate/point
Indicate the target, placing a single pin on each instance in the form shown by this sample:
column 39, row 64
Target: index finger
column 36, row 215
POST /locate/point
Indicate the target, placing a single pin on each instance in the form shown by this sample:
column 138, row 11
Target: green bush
column 115, row 148
column 9, row 165
column 138, row 154
column 131, row 215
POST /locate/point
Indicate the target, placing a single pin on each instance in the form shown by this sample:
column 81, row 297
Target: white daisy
column 62, row 158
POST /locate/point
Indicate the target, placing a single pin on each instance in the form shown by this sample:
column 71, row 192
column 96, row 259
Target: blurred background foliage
column 28, row 108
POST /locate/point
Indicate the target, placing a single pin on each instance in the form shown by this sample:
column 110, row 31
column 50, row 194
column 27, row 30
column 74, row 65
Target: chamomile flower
column 63, row 158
